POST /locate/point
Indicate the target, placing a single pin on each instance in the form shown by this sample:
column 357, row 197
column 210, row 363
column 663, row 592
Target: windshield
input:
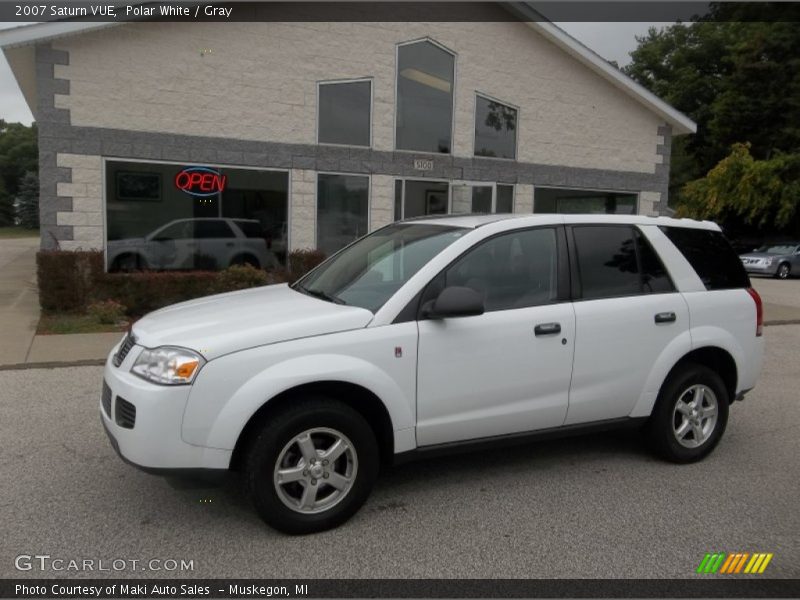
column 780, row 249
column 370, row 271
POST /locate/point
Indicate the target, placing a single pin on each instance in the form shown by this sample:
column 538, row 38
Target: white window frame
column 397, row 93
column 316, row 200
column 474, row 123
column 371, row 109
column 104, row 170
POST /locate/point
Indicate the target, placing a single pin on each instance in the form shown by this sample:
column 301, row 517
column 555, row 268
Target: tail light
column 759, row 311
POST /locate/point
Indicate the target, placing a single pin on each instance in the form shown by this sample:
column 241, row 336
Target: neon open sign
column 200, row 181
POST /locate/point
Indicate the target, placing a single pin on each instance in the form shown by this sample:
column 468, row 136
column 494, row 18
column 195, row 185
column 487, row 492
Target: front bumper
column 761, row 269
column 152, row 439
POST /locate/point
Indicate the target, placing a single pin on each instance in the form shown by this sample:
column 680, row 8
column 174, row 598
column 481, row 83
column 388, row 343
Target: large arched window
column 425, row 78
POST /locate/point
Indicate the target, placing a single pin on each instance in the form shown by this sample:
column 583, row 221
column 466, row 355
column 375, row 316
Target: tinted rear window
column 711, row 256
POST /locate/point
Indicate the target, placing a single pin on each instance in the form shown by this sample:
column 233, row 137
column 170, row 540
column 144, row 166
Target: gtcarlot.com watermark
column 45, row 562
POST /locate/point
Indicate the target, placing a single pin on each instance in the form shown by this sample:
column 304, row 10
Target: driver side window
column 513, row 270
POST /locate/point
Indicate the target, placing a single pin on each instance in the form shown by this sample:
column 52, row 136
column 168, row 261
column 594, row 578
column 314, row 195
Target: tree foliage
column 761, row 192
column 18, row 155
column 27, row 201
column 736, row 73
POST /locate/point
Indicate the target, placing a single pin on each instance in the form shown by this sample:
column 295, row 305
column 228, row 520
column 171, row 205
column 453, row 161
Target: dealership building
column 171, row 144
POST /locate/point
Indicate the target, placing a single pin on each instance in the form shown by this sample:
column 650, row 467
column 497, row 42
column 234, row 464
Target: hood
column 225, row 323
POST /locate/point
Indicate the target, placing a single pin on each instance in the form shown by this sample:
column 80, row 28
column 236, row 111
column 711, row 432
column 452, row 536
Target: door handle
column 547, row 329
column 229, row 244
column 666, row 317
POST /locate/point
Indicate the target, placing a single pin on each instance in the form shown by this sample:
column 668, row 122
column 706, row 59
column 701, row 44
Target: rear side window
column 711, row 256
column 250, row 229
column 617, row 261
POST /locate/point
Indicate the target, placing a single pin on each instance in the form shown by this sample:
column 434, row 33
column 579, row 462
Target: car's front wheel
column 784, row 271
column 690, row 414
column 312, row 466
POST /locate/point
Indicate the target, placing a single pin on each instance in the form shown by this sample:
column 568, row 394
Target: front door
column 508, row 370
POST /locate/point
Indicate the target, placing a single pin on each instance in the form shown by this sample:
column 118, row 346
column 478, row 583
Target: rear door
column 627, row 312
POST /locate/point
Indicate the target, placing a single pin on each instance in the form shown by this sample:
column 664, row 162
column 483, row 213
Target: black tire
column 784, row 271
column 661, row 427
column 245, row 259
column 268, row 446
column 127, row 263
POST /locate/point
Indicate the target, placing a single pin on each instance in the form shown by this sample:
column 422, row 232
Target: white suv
column 433, row 334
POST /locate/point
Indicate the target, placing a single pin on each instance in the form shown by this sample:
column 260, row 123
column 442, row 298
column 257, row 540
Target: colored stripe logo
column 735, row 563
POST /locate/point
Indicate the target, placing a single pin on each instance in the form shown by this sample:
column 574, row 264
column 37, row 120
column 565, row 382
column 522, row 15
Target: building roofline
column 681, row 124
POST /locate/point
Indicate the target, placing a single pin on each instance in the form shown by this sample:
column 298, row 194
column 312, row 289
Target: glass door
column 421, row 197
column 474, row 197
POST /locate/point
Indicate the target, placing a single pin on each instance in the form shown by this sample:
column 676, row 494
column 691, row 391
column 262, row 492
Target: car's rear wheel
column 312, row 466
column 784, row 271
column 690, row 414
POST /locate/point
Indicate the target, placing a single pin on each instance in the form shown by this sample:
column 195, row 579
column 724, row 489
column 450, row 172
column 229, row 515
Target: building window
column 344, row 113
column 505, row 198
column 158, row 218
column 425, row 76
column 556, row 200
column 495, row 129
column 342, row 210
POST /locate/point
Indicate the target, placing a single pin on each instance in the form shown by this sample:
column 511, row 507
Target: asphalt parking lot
column 599, row 506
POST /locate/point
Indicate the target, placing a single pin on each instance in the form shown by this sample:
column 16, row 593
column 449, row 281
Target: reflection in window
column 513, row 270
column 557, row 200
column 607, row 261
column 342, row 208
column 425, row 74
column 495, row 129
column 344, row 113
column 152, row 224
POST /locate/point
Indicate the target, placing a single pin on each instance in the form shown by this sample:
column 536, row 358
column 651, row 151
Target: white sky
column 612, row 41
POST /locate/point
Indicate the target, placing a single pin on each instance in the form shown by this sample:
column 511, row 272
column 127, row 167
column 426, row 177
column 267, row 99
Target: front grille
column 125, row 413
column 126, row 346
column 106, row 399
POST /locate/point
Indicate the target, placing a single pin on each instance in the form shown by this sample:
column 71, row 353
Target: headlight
column 167, row 365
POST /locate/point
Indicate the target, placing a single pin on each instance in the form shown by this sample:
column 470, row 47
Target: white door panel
column 491, row 375
column 617, row 344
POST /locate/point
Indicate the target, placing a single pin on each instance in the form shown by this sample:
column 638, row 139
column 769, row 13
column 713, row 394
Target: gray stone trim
column 50, row 174
column 118, row 143
column 662, row 169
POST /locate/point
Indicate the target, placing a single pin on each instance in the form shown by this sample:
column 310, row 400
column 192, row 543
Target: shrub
column 302, row 261
column 107, row 311
column 239, row 277
column 146, row 291
column 76, row 282
column 66, row 279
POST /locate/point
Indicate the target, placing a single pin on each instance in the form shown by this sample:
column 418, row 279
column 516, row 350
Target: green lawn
column 65, row 323
column 17, row 232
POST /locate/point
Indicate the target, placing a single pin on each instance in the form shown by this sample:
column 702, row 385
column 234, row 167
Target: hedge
column 69, row 281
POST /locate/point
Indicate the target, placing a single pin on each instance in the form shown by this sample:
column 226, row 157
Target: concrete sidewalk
column 19, row 298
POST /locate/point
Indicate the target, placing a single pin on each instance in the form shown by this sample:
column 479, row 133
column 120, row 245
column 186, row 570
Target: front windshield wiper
column 320, row 294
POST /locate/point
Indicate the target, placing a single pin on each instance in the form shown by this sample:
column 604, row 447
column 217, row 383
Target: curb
column 91, row 362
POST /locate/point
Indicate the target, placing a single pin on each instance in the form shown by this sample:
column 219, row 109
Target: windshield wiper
column 320, row 294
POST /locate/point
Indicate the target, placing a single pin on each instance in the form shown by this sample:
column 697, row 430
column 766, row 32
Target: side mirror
column 454, row 301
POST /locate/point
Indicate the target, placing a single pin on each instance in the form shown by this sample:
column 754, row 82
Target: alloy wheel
column 695, row 416
column 315, row 470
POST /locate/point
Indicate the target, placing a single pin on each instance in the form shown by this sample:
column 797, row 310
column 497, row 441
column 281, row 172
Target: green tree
column 27, row 202
column 736, row 73
column 760, row 192
column 18, row 154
